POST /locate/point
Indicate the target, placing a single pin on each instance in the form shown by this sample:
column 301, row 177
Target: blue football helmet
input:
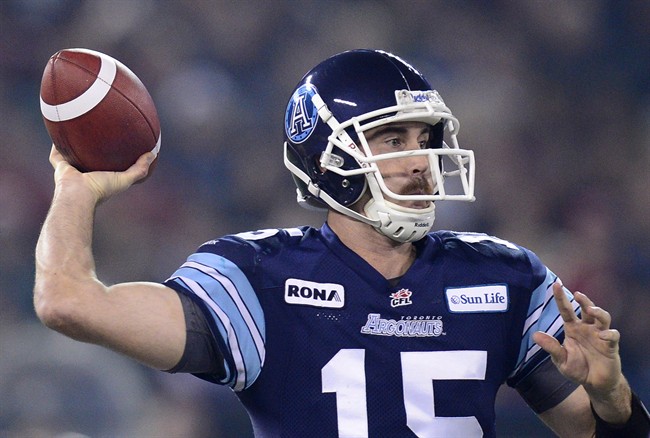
column 327, row 153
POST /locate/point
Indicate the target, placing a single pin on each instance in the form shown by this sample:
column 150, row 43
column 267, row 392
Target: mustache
column 419, row 184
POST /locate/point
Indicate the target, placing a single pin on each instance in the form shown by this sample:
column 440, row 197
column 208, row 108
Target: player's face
column 404, row 176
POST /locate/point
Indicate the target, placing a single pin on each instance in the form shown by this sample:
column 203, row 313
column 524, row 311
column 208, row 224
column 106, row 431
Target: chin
column 421, row 205
column 415, row 205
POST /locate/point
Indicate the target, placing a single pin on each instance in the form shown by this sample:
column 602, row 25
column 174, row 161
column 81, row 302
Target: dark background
column 553, row 97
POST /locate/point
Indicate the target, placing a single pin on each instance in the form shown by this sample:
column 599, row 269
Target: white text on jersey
column 308, row 293
column 416, row 327
column 476, row 299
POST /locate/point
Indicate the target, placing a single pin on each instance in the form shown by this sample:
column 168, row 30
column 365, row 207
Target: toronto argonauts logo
column 301, row 116
column 406, row 326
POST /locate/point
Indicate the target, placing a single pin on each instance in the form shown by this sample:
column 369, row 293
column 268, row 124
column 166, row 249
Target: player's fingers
column 551, row 345
column 139, row 169
column 612, row 336
column 563, row 303
column 60, row 165
column 55, row 156
column 583, row 299
column 597, row 316
column 106, row 184
column 585, row 305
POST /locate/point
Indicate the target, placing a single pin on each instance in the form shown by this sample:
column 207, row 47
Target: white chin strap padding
column 401, row 227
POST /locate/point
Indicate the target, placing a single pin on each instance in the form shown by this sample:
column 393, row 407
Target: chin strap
column 314, row 190
column 402, row 227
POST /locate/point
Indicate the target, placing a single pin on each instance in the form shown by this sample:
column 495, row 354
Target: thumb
column 551, row 345
column 140, row 169
column 106, row 184
column 134, row 174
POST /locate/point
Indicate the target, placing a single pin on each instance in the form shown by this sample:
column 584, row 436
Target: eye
column 423, row 144
column 394, row 142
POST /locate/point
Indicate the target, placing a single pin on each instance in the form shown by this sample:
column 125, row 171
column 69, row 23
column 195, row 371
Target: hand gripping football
column 99, row 115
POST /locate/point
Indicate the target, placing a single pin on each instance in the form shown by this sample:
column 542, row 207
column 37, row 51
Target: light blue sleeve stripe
column 543, row 315
column 235, row 309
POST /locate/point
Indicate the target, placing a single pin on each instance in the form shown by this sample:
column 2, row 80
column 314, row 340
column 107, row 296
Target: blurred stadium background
column 553, row 97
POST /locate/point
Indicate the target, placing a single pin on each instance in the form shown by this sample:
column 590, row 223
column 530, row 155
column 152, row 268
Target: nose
column 418, row 164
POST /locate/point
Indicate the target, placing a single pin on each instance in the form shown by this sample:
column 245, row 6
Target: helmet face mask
column 327, row 152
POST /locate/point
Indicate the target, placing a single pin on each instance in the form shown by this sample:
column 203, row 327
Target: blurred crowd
column 553, row 96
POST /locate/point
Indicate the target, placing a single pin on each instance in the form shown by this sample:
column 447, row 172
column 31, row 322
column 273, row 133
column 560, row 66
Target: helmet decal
column 301, row 116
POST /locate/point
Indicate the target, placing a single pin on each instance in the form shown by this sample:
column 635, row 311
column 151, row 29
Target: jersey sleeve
column 231, row 305
column 545, row 387
column 543, row 315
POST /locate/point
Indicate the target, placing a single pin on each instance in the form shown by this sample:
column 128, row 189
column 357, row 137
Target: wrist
column 614, row 405
column 79, row 195
column 637, row 424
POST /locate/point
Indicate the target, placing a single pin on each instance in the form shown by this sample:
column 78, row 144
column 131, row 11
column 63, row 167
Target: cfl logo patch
column 401, row 298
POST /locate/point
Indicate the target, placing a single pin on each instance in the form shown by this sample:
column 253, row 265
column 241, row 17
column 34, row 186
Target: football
column 97, row 112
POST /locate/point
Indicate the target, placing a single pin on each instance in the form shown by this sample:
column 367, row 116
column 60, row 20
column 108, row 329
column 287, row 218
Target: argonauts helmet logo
column 301, row 116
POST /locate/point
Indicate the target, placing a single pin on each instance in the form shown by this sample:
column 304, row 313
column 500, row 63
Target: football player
column 372, row 325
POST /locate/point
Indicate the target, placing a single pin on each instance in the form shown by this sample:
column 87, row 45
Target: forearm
column 141, row 320
column 64, row 259
column 65, row 268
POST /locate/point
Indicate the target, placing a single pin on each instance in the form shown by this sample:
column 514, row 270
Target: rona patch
column 308, row 293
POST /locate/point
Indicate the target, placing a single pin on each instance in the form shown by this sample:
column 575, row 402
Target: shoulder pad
column 483, row 246
column 480, row 243
column 245, row 248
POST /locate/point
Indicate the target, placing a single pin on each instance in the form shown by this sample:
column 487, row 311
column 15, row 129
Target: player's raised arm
column 142, row 320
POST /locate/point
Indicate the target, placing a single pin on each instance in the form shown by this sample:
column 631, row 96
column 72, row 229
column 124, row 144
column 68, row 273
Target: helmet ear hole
column 317, row 166
column 436, row 135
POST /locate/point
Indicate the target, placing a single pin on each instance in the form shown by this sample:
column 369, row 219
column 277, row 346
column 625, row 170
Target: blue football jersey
column 317, row 343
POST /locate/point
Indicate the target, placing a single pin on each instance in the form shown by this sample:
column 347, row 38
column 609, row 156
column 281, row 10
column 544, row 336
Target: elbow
column 55, row 308
column 51, row 312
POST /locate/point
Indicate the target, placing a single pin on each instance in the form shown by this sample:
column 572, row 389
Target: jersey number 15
column 345, row 375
